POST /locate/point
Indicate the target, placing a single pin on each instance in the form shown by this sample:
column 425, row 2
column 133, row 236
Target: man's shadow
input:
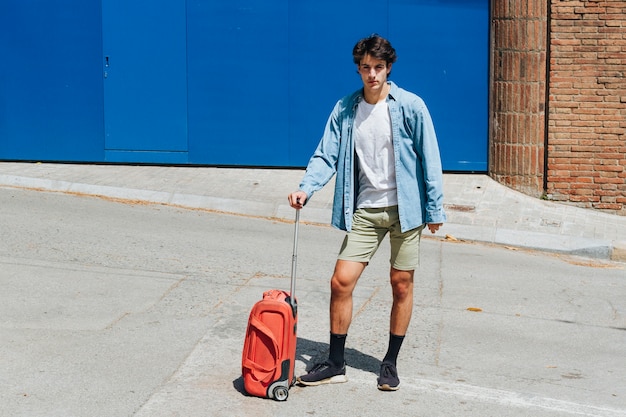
column 318, row 352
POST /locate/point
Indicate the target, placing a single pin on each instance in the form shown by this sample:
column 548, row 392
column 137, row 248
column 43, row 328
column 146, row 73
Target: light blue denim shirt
column 418, row 164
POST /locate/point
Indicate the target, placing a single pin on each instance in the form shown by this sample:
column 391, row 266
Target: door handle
column 106, row 65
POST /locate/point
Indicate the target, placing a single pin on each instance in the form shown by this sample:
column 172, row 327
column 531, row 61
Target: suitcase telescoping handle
column 294, row 262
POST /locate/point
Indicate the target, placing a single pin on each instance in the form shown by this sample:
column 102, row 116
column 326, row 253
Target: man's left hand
column 433, row 227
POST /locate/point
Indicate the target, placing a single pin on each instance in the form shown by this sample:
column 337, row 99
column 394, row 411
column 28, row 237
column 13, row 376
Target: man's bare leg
column 401, row 311
column 342, row 285
column 402, row 308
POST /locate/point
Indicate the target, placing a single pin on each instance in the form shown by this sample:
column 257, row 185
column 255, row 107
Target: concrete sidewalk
column 478, row 208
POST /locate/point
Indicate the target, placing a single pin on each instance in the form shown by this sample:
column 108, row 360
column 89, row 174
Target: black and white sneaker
column 388, row 379
column 324, row 373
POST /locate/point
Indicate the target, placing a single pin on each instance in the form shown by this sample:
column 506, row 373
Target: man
column 381, row 144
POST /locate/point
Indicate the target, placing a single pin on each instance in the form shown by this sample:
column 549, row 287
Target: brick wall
column 579, row 155
column 587, row 106
column 518, row 95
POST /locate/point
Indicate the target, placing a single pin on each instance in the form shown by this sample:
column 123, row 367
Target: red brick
column 586, row 149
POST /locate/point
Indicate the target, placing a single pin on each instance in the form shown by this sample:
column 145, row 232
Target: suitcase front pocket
column 263, row 354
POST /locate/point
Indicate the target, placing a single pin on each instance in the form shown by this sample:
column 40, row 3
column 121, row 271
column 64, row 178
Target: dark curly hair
column 377, row 47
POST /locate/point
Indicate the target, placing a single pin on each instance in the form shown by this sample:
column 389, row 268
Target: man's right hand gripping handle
column 297, row 199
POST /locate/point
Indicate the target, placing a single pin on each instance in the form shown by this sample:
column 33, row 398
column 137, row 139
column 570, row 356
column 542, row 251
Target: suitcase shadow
column 317, row 352
column 311, row 352
column 238, row 385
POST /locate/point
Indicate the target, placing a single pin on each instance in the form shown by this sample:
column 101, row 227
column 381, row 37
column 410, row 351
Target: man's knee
column 345, row 277
column 338, row 287
column 402, row 283
column 342, row 284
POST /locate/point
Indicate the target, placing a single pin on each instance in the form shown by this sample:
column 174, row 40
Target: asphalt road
column 112, row 309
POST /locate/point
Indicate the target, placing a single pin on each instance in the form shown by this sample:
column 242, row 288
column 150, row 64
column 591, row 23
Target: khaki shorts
column 369, row 227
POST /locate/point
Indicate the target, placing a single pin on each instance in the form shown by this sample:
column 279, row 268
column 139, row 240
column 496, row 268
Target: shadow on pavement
column 311, row 352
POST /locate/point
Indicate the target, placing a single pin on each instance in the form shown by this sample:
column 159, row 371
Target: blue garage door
column 51, row 80
column 238, row 85
column 443, row 52
column 444, row 55
column 238, row 82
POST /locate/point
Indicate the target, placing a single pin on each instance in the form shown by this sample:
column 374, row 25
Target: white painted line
column 505, row 398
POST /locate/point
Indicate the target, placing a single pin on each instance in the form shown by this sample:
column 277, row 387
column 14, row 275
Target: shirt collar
column 392, row 93
column 393, row 90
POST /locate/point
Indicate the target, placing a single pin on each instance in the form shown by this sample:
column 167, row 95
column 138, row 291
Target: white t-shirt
column 374, row 150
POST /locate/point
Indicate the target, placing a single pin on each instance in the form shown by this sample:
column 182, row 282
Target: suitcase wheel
column 280, row 393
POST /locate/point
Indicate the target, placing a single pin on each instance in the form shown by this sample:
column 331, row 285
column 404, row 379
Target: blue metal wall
column 51, row 80
column 239, row 82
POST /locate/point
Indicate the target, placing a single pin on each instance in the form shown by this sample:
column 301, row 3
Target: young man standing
column 381, row 144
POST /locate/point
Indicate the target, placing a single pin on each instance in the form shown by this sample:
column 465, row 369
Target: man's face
column 373, row 73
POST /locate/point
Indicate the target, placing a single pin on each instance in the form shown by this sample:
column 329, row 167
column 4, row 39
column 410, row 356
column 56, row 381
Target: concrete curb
column 586, row 247
column 619, row 251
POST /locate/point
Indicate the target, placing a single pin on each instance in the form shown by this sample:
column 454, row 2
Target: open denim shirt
column 418, row 164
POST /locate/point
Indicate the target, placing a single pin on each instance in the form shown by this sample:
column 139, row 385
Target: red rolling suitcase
column 269, row 350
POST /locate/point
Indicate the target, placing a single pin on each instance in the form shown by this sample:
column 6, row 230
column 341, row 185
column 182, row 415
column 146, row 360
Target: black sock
column 337, row 347
column 395, row 342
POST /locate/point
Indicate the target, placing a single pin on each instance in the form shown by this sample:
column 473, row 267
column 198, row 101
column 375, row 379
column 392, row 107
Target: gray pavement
column 479, row 209
column 113, row 309
column 139, row 310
